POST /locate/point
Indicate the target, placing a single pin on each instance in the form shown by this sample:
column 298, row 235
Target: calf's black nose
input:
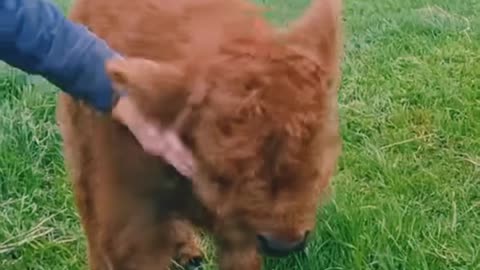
column 277, row 247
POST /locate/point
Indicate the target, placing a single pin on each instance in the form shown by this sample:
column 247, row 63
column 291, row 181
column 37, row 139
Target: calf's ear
column 159, row 89
column 319, row 31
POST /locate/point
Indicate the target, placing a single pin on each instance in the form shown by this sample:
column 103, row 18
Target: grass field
column 407, row 193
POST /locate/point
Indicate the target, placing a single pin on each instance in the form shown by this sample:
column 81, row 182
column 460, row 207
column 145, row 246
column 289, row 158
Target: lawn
column 407, row 191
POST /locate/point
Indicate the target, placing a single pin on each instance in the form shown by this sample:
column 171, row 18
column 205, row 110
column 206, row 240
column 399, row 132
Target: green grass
column 407, row 193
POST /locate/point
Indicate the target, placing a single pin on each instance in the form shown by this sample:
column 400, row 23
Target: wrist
column 126, row 112
column 116, row 96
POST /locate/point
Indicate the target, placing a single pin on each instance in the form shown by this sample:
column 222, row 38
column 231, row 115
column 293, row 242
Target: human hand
column 154, row 140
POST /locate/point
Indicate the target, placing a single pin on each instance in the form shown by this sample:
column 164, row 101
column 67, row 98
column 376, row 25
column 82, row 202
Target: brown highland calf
column 264, row 131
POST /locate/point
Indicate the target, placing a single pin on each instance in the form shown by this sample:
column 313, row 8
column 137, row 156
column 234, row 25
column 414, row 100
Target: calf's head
column 266, row 135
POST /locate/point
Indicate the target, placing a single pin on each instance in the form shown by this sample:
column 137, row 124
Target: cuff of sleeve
column 99, row 91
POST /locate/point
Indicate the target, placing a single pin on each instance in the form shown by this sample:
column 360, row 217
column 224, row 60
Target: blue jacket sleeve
column 36, row 38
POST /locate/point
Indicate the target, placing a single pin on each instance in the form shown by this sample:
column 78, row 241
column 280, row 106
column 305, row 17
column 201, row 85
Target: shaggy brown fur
column 265, row 136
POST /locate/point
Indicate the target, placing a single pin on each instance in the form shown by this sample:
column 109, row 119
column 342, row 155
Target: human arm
column 36, row 38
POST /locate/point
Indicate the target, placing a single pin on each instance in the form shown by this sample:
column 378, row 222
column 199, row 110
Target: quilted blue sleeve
column 36, row 38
